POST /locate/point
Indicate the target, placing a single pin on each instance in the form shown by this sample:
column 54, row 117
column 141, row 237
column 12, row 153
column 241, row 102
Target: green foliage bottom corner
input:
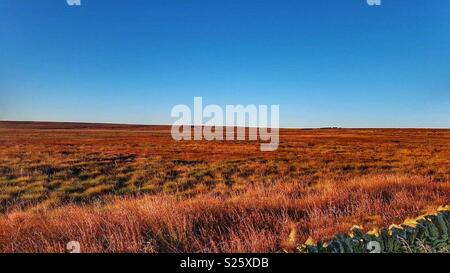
column 425, row 234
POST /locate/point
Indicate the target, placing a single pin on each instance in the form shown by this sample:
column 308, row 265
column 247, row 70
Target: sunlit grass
column 210, row 196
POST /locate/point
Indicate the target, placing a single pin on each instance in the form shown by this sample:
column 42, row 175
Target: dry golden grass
column 262, row 219
column 121, row 188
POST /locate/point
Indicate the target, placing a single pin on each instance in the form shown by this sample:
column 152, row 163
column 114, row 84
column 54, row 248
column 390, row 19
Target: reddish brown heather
column 123, row 188
column 262, row 219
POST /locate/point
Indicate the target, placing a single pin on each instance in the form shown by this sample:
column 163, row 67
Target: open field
column 132, row 188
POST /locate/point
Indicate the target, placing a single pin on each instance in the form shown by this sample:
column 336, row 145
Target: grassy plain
column 126, row 188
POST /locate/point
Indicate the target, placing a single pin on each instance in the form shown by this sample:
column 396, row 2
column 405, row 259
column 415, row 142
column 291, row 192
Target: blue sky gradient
column 326, row 63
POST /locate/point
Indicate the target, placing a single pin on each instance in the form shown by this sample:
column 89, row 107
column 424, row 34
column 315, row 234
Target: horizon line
column 141, row 124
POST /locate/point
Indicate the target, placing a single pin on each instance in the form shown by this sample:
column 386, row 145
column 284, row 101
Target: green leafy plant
column 428, row 233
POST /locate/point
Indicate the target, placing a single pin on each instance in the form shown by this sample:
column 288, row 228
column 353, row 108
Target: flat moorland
column 133, row 188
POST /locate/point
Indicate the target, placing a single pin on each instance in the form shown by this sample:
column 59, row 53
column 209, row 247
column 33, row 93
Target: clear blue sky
column 325, row 62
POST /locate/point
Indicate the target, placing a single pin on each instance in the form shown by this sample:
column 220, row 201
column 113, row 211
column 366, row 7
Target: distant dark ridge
column 73, row 125
column 55, row 125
